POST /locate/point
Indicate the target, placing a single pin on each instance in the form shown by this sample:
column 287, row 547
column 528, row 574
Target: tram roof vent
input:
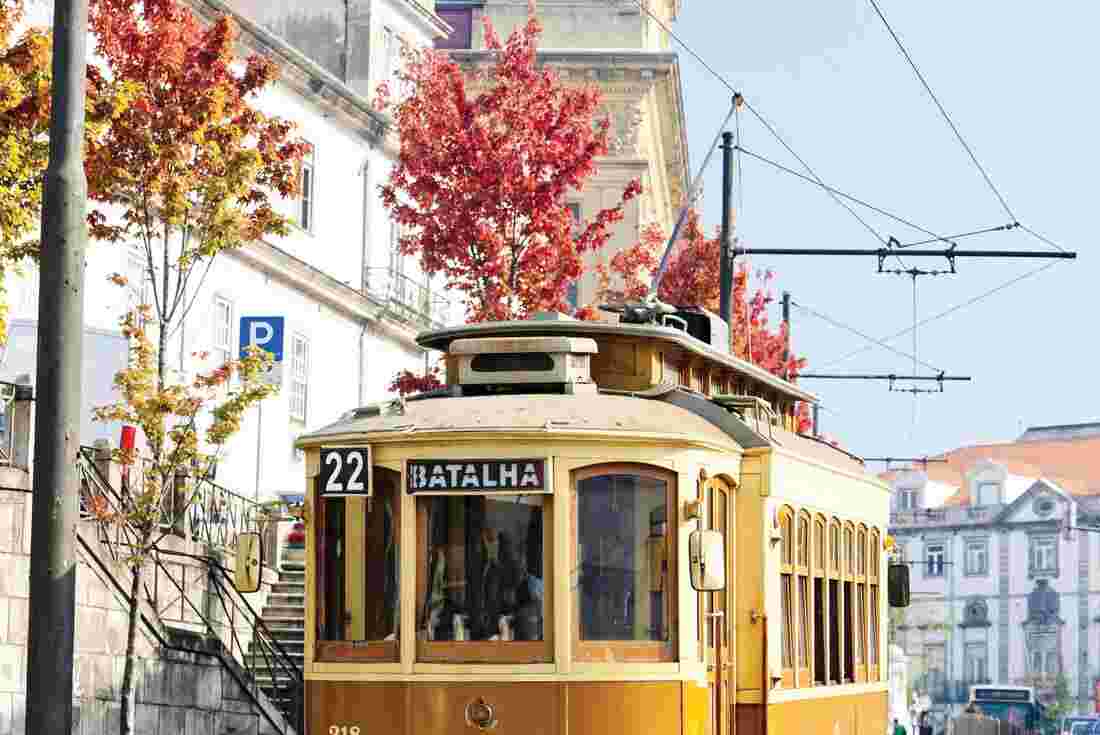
column 522, row 364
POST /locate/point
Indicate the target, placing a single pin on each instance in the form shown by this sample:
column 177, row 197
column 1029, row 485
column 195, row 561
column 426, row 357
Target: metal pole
column 725, row 269
column 57, row 426
column 889, row 252
column 817, row 418
column 259, row 446
column 787, row 338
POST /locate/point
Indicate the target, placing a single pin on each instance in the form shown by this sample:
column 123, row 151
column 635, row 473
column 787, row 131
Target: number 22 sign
column 345, row 472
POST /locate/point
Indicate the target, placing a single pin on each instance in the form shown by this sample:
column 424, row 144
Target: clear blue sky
column 1019, row 79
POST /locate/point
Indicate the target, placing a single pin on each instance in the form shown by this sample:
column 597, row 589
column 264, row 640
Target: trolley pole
column 725, row 270
column 57, row 421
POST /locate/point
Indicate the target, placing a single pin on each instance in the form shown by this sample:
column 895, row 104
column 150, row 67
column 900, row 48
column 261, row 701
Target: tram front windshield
column 483, row 568
column 1015, row 713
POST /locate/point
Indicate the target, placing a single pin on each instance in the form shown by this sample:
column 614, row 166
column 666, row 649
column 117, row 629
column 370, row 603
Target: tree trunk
column 162, row 353
column 129, row 706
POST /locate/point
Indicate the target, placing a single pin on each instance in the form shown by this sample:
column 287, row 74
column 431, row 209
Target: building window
column 977, row 557
column 907, row 500
column 987, row 493
column 308, row 191
column 223, row 330
column 934, row 557
column 1043, row 554
column 299, row 378
column 572, row 293
column 975, row 664
column 461, row 20
column 1043, row 658
column 625, row 593
column 359, row 541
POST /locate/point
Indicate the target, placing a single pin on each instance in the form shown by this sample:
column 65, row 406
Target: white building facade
column 351, row 306
column 1002, row 591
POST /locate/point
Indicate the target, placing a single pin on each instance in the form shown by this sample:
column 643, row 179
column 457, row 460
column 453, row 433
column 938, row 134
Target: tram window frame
column 820, row 601
column 629, row 651
column 787, row 601
column 803, row 589
column 847, row 604
column 487, row 651
column 328, row 650
column 874, row 644
column 860, row 604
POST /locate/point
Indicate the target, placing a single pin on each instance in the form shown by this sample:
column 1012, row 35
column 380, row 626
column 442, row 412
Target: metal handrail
column 7, row 423
column 407, row 294
column 293, row 720
column 286, row 675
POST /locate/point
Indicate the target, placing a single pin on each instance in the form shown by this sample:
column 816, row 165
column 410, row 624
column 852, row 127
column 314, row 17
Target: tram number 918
column 344, row 730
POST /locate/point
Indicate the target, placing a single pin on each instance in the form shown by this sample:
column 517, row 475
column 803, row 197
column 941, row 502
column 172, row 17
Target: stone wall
column 177, row 693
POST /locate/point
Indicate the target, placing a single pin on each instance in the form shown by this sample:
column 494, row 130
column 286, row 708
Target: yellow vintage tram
column 595, row 529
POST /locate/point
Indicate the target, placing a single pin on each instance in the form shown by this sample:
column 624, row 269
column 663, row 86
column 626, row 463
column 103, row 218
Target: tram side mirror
column 897, row 585
column 246, row 572
column 707, row 553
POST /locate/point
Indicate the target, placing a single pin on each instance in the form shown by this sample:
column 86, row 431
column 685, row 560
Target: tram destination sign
column 1001, row 695
column 345, row 472
column 476, row 476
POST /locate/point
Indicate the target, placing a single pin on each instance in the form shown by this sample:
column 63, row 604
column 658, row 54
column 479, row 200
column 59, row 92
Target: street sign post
column 268, row 333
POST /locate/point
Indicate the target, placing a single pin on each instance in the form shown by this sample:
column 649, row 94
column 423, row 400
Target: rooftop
column 1061, row 432
column 1068, row 455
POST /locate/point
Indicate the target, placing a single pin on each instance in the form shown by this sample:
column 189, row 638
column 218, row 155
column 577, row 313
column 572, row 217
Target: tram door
column 717, row 621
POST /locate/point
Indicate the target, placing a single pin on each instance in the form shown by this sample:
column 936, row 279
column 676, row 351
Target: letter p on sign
column 267, row 333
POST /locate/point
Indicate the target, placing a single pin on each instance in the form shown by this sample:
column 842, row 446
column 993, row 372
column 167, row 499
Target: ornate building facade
column 1005, row 567
column 622, row 49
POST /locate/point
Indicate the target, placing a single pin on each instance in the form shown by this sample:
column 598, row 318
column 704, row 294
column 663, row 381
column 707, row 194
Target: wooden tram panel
column 566, row 694
column 634, row 357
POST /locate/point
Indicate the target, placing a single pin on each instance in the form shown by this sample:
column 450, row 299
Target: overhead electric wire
column 943, row 112
column 936, row 317
column 641, row 5
column 963, row 235
column 1040, row 238
column 869, row 338
column 722, row 80
column 849, row 197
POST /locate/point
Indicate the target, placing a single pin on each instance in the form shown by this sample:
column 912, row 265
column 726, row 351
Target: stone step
column 288, row 626
column 283, row 612
column 290, row 599
column 260, row 663
column 288, row 588
column 293, row 567
column 291, row 648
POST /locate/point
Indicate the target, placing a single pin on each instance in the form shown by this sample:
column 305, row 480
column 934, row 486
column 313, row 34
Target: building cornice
column 421, row 14
column 336, row 295
column 307, row 78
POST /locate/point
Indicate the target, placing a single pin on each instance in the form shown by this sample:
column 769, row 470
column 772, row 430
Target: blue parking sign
column 265, row 332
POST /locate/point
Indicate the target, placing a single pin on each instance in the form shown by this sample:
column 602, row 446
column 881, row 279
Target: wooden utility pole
column 57, row 421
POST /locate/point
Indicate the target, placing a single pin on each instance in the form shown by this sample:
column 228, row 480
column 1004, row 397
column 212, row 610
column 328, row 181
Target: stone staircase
column 284, row 615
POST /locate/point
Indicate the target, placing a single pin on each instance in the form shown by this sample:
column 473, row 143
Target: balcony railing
column 956, row 516
column 407, row 298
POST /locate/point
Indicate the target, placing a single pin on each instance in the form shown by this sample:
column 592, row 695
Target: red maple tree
column 486, row 161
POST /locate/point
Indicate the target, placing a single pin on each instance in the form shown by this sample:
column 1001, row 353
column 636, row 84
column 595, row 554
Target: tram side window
column 358, row 567
column 624, row 564
column 834, row 632
column 482, row 575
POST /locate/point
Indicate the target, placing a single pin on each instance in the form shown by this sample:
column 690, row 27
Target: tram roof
column 673, row 414
column 558, row 325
